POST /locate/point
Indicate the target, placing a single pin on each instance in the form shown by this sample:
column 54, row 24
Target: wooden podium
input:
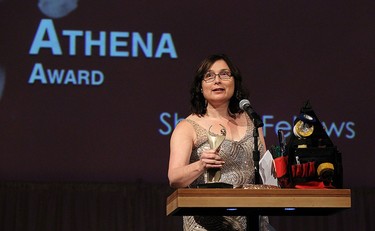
column 255, row 202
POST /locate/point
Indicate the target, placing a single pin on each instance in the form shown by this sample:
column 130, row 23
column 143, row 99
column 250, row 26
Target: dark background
column 288, row 52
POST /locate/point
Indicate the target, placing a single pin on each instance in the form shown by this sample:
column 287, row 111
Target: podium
column 255, row 202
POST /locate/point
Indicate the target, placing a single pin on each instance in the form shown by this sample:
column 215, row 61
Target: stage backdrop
column 91, row 90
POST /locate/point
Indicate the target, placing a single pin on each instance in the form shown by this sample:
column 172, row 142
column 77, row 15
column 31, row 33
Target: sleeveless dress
column 237, row 170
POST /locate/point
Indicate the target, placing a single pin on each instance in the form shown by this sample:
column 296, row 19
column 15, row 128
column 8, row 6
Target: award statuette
column 213, row 175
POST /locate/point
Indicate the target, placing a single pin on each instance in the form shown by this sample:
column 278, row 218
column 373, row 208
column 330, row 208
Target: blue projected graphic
column 48, row 38
column 57, row 8
column 118, row 42
column 344, row 129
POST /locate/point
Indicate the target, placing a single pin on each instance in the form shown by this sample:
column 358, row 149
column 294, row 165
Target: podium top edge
column 220, row 192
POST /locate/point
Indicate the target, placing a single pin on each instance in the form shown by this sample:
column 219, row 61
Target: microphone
column 246, row 106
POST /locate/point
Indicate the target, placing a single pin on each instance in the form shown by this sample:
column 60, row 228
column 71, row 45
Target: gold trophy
column 213, row 175
column 303, row 128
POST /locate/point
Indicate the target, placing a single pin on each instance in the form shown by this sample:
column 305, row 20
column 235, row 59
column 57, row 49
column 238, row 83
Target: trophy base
column 215, row 185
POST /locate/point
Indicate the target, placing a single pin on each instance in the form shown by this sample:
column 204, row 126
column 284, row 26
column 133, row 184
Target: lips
column 218, row 89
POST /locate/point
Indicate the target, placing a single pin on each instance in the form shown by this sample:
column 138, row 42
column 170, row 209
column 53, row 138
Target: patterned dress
column 237, row 170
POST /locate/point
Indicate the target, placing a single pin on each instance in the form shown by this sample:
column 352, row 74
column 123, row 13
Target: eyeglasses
column 211, row 76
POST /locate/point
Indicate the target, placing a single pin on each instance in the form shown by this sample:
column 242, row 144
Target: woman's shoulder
column 188, row 122
column 193, row 117
column 196, row 120
column 185, row 128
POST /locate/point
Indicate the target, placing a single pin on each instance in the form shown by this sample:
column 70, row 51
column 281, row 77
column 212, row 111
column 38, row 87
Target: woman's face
column 220, row 89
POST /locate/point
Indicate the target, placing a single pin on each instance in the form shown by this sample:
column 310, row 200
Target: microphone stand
column 253, row 220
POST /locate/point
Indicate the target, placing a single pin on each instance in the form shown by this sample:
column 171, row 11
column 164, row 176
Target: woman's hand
column 211, row 159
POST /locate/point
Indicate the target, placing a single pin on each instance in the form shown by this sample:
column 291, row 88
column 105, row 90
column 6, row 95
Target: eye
column 209, row 75
column 225, row 73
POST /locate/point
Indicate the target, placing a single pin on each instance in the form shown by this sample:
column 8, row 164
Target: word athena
column 47, row 38
column 118, row 42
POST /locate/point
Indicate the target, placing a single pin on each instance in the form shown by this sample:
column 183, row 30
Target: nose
column 217, row 78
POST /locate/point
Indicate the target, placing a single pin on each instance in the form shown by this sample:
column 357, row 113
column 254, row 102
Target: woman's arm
column 262, row 141
column 180, row 172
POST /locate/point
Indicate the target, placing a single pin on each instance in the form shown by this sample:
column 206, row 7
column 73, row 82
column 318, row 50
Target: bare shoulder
column 184, row 127
column 193, row 117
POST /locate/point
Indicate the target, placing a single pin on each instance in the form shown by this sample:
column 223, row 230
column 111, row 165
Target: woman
column 215, row 96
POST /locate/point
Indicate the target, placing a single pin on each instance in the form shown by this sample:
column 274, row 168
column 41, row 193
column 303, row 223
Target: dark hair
column 197, row 100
